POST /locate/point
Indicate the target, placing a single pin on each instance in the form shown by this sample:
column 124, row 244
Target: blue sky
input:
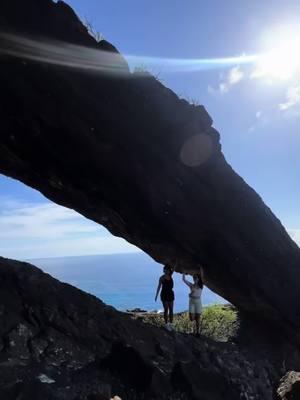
column 256, row 110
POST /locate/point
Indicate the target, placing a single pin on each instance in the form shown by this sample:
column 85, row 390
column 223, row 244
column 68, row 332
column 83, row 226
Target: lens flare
column 86, row 58
column 63, row 54
column 196, row 150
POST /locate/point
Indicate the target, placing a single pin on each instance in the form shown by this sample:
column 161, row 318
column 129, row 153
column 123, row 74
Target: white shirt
column 196, row 292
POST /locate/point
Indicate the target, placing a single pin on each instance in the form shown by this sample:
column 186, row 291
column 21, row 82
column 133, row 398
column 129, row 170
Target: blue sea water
column 125, row 281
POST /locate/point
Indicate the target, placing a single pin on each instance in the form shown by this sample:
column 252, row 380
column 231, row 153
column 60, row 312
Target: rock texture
column 289, row 388
column 59, row 343
column 125, row 151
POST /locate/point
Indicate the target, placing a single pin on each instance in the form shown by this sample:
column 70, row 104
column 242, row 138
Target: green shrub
column 218, row 322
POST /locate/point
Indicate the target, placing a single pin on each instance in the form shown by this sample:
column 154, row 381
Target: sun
column 282, row 60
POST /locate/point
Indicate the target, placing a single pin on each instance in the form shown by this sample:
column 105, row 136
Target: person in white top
column 195, row 304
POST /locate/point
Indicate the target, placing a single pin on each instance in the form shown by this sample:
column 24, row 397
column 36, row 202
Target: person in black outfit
column 166, row 284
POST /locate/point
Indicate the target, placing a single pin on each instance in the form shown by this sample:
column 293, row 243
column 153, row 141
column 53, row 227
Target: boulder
column 289, row 388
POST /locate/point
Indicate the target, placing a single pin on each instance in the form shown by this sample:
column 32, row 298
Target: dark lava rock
column 60, row 343
column 136, row 310
column 203, row 384
column 289, row 388
column 126, row 152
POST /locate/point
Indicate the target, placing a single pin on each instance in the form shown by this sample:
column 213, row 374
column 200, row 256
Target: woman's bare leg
column 197, row 319
column 192, row 316
column 165, row 305
column 171, row 303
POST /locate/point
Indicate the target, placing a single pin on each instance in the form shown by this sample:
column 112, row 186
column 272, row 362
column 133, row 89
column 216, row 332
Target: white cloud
column 258, row 73
column 47, row 230
column 234, row 76
column 261, row 120
column 92, row 245
column 224, row 87
column 43, row 221
column 292, row 98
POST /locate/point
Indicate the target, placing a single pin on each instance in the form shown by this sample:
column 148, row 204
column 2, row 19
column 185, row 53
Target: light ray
column 87, row 58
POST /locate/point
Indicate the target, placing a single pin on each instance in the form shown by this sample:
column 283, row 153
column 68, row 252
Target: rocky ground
column 58, row 342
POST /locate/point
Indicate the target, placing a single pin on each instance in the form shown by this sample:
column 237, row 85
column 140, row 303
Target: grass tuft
column 218, row 322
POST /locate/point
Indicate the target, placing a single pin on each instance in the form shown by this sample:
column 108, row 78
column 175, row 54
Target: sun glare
column 282, row 61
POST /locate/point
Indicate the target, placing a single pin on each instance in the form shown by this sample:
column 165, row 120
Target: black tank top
column 167, row 286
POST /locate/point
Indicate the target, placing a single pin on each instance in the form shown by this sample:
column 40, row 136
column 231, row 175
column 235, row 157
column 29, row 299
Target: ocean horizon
column 124, row 281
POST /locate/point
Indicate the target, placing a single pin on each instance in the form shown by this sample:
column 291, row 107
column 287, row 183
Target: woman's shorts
column 195, row 306
column 167, row 297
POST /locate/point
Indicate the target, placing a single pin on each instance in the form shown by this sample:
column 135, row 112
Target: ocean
column 125, row 281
